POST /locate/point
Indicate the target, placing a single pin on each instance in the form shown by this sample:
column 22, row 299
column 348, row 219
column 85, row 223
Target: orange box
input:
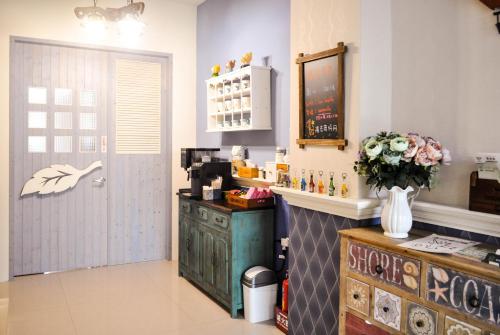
column 246, row 172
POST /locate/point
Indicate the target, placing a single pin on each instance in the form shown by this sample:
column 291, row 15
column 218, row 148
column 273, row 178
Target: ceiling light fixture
column 94, row 18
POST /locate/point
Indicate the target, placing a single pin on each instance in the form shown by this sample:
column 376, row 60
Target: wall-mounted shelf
column 240, row 100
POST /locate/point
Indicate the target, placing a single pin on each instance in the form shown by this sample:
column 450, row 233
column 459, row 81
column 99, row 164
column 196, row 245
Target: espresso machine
column 204, row 165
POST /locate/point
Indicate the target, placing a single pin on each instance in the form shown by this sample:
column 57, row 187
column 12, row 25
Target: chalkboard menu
column 321, row 86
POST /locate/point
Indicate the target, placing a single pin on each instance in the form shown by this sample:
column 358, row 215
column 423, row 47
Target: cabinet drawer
column 201, row 213
column 455, row 327
column 185, row 207
column 391, row 268
column 358, row 296
column 219, row 221
column 421, row 320
column 472, row 296
column 387, row 308
column 357, row 326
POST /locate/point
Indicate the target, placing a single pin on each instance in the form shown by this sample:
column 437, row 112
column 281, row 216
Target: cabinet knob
column 355, row 296
column 419, row 323
column 474, row 301
column 379, row 269
column 385, row 309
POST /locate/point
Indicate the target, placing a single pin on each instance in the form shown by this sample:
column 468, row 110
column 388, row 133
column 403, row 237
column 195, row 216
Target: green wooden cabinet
column 217, row 245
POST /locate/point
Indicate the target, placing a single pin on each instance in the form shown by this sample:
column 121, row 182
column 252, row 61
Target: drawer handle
column 379, row 269
column 188, row 242
column 218, row 220
column 474, row 301
column 385, row 309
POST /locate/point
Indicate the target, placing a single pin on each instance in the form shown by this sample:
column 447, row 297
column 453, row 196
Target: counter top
column 219, row 205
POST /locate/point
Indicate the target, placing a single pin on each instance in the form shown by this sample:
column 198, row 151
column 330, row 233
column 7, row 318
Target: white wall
column 171, row 28
column 318, row 25
column 446, row 83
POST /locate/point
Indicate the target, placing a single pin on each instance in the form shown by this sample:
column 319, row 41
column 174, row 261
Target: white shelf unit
column 230, row 108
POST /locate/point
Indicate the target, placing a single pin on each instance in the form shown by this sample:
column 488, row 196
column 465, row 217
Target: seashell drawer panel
column 472, row 296
column 403, row 291
column 388, row 267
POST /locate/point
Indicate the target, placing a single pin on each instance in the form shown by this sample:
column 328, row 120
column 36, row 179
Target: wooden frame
column 340, row 141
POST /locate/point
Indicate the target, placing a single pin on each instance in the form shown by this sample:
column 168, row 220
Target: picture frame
column 321, row 98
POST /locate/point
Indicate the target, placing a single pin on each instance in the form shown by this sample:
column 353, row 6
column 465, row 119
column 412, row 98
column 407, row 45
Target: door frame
column 168, row 57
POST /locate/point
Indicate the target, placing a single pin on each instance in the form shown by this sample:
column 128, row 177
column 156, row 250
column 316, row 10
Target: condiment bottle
column 295, row 180
column 311, row 181
column 331, row 187
column 321, row 186
column 303, row 183
column 344, row 189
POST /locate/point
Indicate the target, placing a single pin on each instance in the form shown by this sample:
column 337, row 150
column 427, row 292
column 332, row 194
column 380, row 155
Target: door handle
column 99, row 180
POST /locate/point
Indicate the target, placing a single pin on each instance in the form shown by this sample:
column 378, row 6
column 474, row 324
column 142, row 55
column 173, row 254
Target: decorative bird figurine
column 230, row 65
column 246, row 59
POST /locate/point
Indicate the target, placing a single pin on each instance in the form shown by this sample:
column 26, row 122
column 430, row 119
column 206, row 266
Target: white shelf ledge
column 357, row 209
column 458, row 218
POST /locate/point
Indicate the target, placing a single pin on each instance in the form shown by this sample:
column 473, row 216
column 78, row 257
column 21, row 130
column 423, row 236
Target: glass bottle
column 331, row 187
column 311, row 181
column 344, row 188
column 295, row 180
column 303, row 183
column 321, row 186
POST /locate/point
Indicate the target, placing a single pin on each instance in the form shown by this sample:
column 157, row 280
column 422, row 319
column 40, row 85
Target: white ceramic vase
column 396, row 216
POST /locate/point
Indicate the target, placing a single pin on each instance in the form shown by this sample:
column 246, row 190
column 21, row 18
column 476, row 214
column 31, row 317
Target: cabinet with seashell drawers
column 387, row 289
column 240, row 100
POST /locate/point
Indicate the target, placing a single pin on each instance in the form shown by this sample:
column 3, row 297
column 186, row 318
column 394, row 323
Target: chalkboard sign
column 321, row 91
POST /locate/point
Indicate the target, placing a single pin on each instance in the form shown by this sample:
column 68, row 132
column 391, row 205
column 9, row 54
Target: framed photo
column 321, row 94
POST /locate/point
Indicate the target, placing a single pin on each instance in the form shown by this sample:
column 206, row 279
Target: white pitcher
column 396, row 216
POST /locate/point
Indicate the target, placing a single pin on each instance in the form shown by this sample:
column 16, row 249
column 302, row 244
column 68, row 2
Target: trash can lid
column 258, row 276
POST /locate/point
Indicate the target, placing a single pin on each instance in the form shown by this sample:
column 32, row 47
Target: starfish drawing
column 439, row 292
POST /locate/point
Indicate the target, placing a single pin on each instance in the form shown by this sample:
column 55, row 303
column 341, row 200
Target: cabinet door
column 194, row 251
column 208, row 258
column 221, row 265
column 184, row 224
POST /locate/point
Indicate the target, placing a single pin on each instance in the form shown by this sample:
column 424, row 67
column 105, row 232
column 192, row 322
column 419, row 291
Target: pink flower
column 409, row 153
column 434, row 154
column 432, row 142
column 422, row 157
column 420, row 142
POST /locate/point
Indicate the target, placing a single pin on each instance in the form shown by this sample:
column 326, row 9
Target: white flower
column 392, row 159
column 399, row 144
column 373, row 148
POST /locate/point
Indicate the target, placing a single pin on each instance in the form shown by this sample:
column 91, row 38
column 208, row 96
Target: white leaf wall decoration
column 56, row 178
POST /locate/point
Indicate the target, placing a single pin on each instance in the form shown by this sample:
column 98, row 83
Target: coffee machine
column 203, row 165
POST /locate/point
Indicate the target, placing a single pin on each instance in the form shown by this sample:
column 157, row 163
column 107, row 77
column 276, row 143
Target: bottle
column 303, row 183
column 344, row 189
column 295, row 180
column 331, row 187
column 321, row 186
column 284, row 295
column 311, row 181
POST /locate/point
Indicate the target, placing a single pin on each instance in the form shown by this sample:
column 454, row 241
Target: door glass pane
column 62, row 144
column 63, row 120
column 37, row 120
column 87, row 144
column 88, row 98
column 36, row 144
column 63, row 96
column 88, row 121
column 37, row 95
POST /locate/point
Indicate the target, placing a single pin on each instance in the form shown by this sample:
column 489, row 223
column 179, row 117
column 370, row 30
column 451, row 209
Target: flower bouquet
column 397, row 162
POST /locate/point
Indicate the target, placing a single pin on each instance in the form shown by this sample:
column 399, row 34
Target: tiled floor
column 143, row 298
